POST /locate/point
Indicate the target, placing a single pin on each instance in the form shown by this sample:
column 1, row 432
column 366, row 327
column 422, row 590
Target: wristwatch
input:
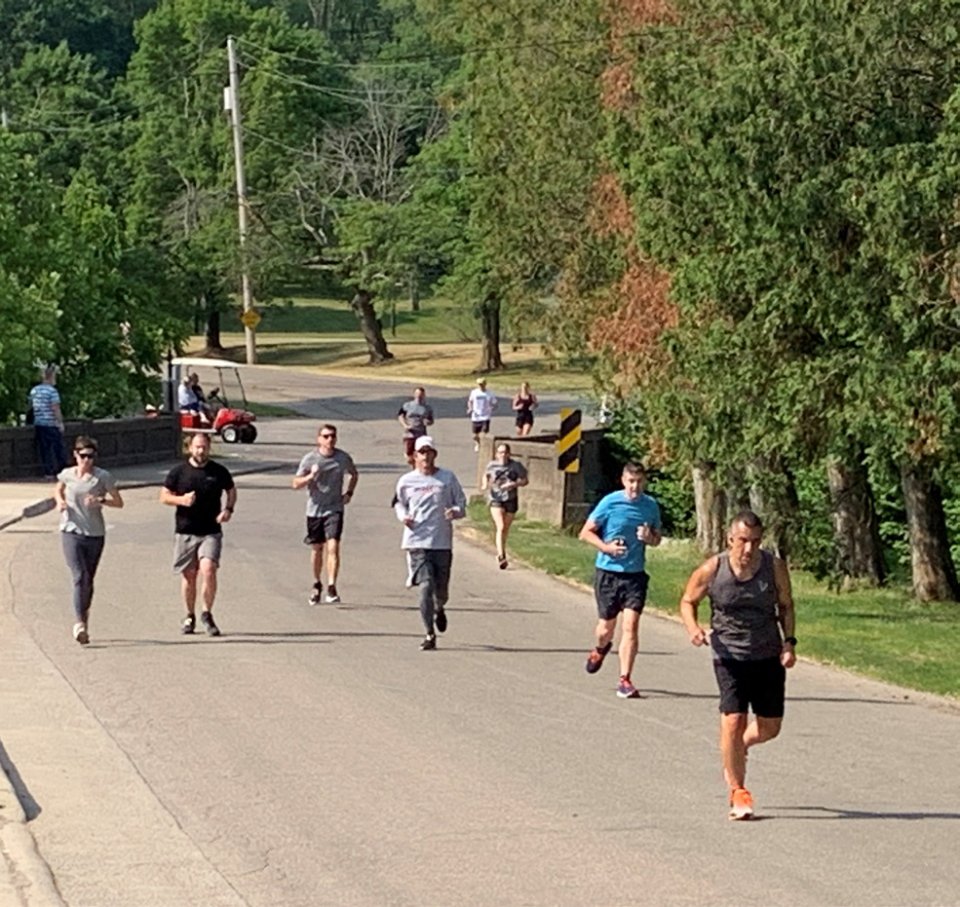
column 790, row 639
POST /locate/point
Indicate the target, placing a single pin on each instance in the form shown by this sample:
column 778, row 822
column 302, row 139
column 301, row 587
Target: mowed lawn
column 883, row 634
column 439, row 344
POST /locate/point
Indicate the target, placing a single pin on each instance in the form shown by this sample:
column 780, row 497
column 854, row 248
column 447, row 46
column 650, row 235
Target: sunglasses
column 328, row 435
column 85, row 454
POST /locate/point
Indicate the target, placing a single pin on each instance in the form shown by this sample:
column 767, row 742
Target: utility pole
column 232, row 105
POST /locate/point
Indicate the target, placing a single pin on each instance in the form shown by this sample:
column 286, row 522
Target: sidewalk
column 25, row 878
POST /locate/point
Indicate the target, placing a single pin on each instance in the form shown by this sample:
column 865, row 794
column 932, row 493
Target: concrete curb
column 27, row 873
column 24, row 874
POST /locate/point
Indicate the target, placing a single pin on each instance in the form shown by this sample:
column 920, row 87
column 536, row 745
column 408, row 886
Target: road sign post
column 251, row 318
column 568, row 444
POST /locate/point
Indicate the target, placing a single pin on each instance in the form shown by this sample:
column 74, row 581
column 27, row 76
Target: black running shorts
column 511, row 505
column 758, row 684
column 616, row 591
column 326, row 528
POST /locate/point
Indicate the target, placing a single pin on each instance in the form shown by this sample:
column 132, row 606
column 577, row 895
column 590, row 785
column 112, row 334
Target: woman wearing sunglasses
column 82, row 491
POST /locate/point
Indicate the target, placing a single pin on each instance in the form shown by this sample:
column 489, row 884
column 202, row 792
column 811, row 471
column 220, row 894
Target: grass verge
column 882, row 634
column 269, row 411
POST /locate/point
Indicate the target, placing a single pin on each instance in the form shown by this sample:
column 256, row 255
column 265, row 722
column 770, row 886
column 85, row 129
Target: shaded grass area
column 439, row 343
column 882, row 634
column 437, row 320
column 269, row 410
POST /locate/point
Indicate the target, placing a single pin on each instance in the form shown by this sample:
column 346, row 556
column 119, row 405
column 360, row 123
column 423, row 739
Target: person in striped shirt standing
column 48, row 423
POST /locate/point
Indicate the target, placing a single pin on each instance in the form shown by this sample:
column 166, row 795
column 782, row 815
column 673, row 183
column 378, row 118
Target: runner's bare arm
column 785, row 610
column 176, row 500
column 696, row 589
column 590, row 535
column 352, row 481
column 112, row 498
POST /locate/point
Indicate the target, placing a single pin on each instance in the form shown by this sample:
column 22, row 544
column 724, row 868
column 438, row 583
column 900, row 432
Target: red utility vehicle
column 233, row 423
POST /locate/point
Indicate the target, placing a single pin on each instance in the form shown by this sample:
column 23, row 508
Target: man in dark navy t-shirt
column 196, row 488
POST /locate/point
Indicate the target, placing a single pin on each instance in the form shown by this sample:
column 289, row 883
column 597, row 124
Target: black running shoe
column 189, row 625
column 441, row 620
column 316, row 595
column 429, row 643
column 207, row 619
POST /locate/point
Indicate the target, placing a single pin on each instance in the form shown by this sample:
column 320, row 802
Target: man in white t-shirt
column 480, row 406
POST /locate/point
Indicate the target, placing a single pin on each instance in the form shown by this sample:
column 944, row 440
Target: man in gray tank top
column 751, row 634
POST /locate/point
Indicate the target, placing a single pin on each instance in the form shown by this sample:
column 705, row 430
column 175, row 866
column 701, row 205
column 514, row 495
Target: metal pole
column 235, row 121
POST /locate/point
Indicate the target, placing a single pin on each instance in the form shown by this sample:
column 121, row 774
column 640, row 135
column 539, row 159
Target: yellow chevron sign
column 568, row 444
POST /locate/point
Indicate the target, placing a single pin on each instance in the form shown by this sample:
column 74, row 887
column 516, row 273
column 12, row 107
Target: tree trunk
column 773, row 497
column 934, row 576
column 212, row 333
column 490, row 325
column 414, row 287
column 362, row 304
column 737, row 496
column 711, row 507
column 856, row 531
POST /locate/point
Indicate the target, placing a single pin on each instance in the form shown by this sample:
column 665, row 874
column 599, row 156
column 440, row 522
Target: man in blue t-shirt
column 620, row 527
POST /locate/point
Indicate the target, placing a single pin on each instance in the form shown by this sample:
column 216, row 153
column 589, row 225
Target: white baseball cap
column 424, row 441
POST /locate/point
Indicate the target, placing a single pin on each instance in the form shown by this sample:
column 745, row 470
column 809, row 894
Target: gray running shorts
column 188, row 550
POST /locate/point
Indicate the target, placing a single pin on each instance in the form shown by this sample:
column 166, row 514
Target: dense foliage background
column 740, row 215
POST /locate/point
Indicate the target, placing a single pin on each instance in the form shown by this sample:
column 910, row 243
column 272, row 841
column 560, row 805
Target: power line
column 466, row 52
column 358, row 96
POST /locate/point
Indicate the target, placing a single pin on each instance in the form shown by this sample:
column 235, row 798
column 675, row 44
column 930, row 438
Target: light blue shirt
column 618, row 517
column 43, row 397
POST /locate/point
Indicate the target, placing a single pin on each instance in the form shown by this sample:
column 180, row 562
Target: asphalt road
column 313, row 756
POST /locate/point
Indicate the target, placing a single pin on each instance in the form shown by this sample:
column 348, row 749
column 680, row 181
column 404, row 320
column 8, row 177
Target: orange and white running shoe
column 741, row 804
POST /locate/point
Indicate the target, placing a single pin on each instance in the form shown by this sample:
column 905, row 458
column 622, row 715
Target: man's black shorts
column 760, row 684
column 326, row 528
column 481, row 428
column 616, row 591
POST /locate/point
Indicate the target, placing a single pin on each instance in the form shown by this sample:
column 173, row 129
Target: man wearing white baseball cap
column 428, row 499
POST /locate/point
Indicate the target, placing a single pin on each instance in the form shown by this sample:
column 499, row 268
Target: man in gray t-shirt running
column 416, row 417
column 427, row 500
column 322, row 472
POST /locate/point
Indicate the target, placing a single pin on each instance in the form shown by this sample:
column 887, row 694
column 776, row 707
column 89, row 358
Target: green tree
column 60, row 104
column 102, row 29
column 182, row 191
column 762, row 144
column 525, row 133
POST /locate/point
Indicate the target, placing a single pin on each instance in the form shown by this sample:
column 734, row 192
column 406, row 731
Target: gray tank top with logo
column 744, row 612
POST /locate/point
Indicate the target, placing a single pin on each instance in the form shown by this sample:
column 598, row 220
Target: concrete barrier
column 121, row 442
column 555, row 497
